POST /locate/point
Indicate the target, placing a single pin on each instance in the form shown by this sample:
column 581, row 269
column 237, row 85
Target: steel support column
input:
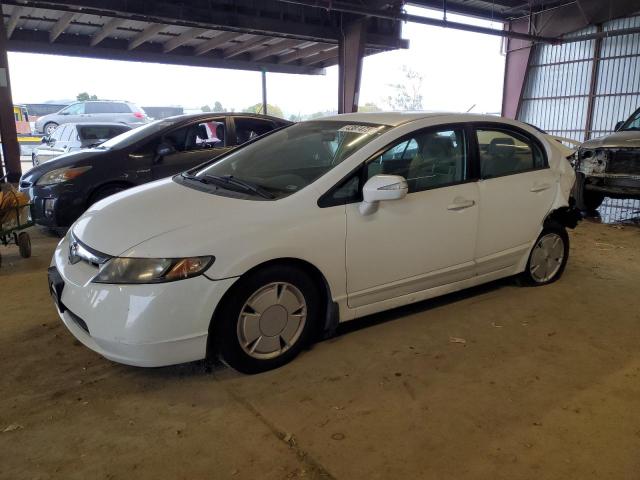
column 10, row 147
column 515, row 68
column 593, row 84
column 350, row 53
column 264, row 92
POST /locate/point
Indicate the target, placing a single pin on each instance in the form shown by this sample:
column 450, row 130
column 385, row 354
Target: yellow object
column 14, row 210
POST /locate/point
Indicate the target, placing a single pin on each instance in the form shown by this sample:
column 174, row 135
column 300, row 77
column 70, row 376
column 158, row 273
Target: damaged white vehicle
column 255, row 254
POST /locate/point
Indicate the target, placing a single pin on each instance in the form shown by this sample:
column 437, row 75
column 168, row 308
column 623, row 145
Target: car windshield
column 289, row 159
column 132, row 136
column 633, row 123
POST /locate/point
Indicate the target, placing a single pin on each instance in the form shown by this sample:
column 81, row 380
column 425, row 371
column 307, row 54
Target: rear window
column 107, row 107
column 101, row 132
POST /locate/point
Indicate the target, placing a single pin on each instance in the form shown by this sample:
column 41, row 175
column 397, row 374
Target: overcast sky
column 460, row 69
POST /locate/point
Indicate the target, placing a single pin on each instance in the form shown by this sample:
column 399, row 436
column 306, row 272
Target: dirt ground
column 547, row 386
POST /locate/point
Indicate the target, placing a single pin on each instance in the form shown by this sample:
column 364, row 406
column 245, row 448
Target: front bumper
column 55, row 206
column 614, row 184
column 142, row 325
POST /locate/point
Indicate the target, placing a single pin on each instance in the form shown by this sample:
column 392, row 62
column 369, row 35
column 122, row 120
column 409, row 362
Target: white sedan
column 255, row 254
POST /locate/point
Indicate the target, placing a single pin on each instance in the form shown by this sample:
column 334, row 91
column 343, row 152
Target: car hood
column 165, row 219
column 630, row 139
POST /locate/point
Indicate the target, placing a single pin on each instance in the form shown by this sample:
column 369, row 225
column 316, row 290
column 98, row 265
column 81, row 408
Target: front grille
column 624, row 161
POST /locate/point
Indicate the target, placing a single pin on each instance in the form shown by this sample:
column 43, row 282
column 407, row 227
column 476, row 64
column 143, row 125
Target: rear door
column 193, row 144
column 516, row 189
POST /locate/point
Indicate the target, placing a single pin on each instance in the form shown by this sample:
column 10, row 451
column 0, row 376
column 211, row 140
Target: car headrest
column 501, row 146
column 437, row 146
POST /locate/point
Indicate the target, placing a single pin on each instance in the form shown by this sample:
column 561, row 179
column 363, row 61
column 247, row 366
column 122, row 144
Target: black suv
column 63, row 188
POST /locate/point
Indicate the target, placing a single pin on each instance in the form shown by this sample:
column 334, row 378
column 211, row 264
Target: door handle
column 461, row 204
column 541, row 187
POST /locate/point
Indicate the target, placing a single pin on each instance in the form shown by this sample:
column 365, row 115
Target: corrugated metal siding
column 556, row 93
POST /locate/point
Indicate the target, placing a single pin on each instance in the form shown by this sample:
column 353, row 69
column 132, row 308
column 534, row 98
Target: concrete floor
column 547, row 386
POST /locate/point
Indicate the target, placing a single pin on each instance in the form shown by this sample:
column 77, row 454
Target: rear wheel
column 266, row 319
column 549, row 256
column 24, row 244
column 586, row 200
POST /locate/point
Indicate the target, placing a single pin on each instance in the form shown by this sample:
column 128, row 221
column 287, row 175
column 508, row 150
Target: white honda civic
column 255, row 254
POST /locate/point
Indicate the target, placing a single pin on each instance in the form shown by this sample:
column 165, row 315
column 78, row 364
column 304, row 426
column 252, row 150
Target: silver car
column 609, row 166
column 125, row 113
column 72, row 137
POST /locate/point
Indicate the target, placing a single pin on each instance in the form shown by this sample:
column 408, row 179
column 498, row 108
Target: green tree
column 271, row 110
column 84, row 96
column 217, row 107
column 369, row 107
column 407, row 94
column 205, row 108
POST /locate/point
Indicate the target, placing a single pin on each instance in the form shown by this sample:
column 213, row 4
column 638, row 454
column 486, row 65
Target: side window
column 75, row 109
column 58, row 132
column 68, row 133
column 249, row 128
column 118, row 107
column 505, row 152
column 429, row 159
column 93, row 107
column 209, row 134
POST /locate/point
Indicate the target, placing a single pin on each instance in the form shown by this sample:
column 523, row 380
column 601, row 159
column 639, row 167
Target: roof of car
column 398, row 118
column 195, row 116
column 97, row 124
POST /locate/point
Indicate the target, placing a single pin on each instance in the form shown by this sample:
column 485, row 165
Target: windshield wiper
column 227, row 180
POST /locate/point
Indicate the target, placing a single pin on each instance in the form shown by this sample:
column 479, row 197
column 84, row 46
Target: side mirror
column 381, row 188
column 163, row 150
column 619, row 125
column 64, row 113
column 44, row 139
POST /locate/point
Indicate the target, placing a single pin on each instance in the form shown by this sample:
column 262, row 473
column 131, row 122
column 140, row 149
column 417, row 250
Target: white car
column 253, row 255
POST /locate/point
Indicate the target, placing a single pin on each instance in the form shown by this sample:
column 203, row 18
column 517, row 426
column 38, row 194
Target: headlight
column 61, row 175
column 151, row 270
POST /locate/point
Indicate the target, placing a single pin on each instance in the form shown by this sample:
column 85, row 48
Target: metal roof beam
column 31, row 41
column 275, row 49
column 322, row 56
column 182, row 39
column 243, row 47
column 106, row 30
column 215, row 42
column 60, row 26
column 144, row 36
column 13, row 20
column 304, row 52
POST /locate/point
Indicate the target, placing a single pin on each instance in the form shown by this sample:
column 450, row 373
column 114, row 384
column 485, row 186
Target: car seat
column 499, row 159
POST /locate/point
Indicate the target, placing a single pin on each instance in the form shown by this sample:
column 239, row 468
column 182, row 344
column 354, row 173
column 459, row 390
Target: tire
column 266, row 319
column 34, row 160
column 49, row 128
column 547, row 259
column 104, row 192
column 24, row 244
column 586, row 200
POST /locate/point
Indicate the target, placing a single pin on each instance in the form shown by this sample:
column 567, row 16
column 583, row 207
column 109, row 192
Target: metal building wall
column 564, row 95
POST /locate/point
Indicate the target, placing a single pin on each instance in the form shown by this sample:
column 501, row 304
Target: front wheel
column 548, row 258
column 266, row 319
column 24, row 244
column 586, row 200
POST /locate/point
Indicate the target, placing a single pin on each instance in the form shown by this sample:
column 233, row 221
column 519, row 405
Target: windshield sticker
column 363, row 129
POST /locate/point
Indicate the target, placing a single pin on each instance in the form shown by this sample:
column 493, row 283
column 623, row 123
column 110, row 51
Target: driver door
column 192, row 145
column 424, row 240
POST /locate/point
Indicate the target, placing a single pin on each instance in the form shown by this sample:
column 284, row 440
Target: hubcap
column 272, row 320
column 547, row 257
